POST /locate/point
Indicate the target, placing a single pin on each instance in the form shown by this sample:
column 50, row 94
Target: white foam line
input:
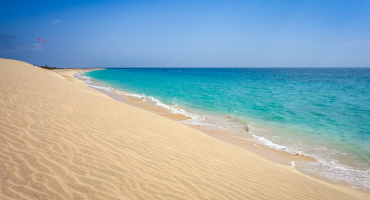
column 336, row 172
column 172, row 108
column 277, row 146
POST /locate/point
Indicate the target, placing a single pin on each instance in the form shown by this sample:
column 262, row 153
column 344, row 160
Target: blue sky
column 286, row 33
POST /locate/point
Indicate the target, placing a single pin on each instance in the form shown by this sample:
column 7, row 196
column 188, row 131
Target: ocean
column 321, row 113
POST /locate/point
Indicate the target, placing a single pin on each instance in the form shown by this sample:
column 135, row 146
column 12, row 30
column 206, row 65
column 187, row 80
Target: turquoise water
column 324, row 113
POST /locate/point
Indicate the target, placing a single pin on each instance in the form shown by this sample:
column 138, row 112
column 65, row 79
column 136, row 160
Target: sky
column 260, row 33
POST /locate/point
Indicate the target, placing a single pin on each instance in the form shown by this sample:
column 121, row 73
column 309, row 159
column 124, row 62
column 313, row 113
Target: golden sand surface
column 60, row 139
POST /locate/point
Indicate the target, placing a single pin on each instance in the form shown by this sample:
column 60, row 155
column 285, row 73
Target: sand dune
column 60, row 139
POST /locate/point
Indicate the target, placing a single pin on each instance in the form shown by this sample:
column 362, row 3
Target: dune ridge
column 60, row 139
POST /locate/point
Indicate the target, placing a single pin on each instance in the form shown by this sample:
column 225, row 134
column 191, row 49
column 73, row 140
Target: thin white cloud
column 33, row 47
column 55, row 21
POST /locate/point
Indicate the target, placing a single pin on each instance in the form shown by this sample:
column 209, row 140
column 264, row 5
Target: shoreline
column 61, row 139
column 274, row 155
column 250, row 144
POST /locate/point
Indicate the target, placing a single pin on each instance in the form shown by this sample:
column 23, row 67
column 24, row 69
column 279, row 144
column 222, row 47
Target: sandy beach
column 60, row 139
column 248, row 142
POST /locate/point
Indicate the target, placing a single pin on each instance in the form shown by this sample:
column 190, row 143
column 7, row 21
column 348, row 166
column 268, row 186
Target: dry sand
column 60, row 139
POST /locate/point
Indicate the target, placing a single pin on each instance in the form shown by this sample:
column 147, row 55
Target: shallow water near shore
column 322, row 113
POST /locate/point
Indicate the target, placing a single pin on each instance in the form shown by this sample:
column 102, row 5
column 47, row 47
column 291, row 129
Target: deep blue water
column 324, row 113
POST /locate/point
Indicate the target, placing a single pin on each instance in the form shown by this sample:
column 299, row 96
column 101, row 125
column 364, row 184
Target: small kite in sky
column 42, row 39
